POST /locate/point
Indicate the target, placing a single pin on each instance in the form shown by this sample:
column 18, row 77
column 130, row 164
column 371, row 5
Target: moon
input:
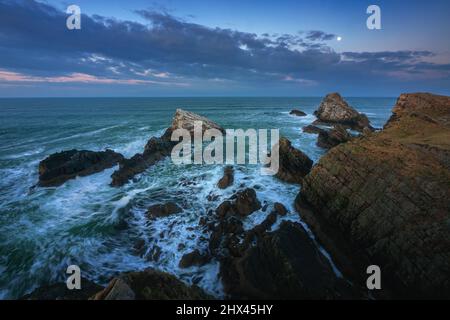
column 339, row 38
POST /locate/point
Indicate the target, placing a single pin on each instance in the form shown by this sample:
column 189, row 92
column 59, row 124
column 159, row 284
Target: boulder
column 62, row 166
column 312, row 129
column 227, row 179
column 280, row 209
column 194, row 258
column 284, row 264
column 293, row 163
column 149, row 285
column 246, row 202
column 297, row 113
column 163, row 210
column 185, row 119
column 335, row 110
column 384, row 199
column 330, row 138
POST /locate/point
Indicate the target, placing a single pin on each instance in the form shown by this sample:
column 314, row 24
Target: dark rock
column 149, row 285
column 285, row 264
column 163, row 210
column 159, row 148
column 185, row 120
column 384, row 199
column 334, row 110
column 59, row 291
column 155, row 150
column 194, row 258
column 227, row 179
column 246, row 202
column 298, row 113
column 62, row 166
column 293, row 164
column 330, row 138
column 312, row 129
column 280, row 209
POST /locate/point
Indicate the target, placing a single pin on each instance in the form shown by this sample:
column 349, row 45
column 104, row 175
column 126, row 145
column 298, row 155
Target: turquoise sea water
column 88, row 223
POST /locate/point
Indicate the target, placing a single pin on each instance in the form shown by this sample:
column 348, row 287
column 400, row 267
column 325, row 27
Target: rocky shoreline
column 377, row 198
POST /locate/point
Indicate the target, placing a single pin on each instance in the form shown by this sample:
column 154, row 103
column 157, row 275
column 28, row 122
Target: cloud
column 317, row 35
column 8, row 76
column 36, row 46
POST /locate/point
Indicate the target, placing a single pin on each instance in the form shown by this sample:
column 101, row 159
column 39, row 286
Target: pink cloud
column 8, row 76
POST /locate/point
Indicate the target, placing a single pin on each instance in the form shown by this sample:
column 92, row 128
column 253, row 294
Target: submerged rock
column 293, row 163
column 62, row 166
column 334, row 109
column 297, row 113
column 149, row 285
column 163, row 210
column 384, row 199
column 227, row 179
column 330, row 138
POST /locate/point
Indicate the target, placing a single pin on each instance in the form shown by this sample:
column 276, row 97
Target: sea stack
column 335, row 110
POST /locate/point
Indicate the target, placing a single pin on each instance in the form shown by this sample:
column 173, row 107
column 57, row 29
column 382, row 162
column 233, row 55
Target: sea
column 88, row 223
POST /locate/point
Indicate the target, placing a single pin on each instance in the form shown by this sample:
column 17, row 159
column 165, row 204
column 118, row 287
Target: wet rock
column 139, row 246
column 330, row 138
column 59, row 291
column 149, row 285
column 293, row 164
column 154, row 254
column 280, row 209
column 62, row 166
column 155, row 150
column 297, row 113
column 312, row 129
column 158, row 148
column 227, row 179
column 163, row 210
column 284, row 264
column 246, row 202
column 335, row 110
column 384, row 199
column 194, row 258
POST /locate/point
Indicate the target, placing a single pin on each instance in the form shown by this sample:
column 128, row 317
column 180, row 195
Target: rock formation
column 297, row 113
column 284, row 264
column 334, row 110
column 62, row 166
column 384, row 199
column 149, row 285
column 159, row 148
column 312, row 129
column 227, row 179
column 163, row 210
column 293, row 164
column 59, row 291
column 330, row 138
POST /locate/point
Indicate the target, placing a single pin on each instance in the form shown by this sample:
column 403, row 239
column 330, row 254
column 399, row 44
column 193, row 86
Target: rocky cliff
column 384, row 199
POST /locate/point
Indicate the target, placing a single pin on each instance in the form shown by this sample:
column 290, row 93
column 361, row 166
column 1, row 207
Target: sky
column 223, row 48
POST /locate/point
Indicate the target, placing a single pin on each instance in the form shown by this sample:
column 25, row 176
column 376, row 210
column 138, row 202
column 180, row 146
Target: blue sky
column 223, row 48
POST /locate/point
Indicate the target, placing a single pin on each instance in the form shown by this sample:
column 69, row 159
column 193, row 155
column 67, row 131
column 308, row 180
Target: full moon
column 339, row 38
